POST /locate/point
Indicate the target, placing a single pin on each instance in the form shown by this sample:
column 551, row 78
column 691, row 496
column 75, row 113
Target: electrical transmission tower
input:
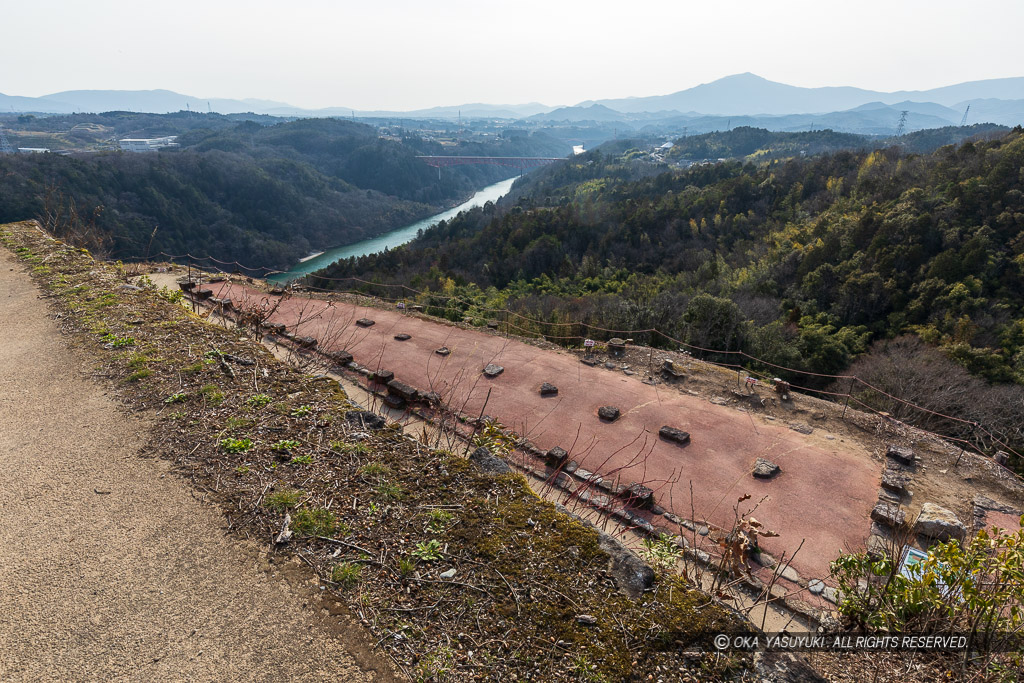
column 902, row 124
column 963, row 121
column 5, row 144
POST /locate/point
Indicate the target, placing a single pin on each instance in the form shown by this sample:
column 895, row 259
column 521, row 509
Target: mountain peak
column 745, row 76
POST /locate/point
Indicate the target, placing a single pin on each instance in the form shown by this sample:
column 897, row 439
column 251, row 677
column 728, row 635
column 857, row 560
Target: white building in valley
column 148, row 144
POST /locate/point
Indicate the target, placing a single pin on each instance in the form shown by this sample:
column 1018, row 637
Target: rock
column 609, row 413
column 609, row 365
column 784, row 667
column 939, row 523
column 366, row 420
column 492, row 324
column 586, row 619
column 1001, row 458
column 588, row 361
column 443, row 351
column 880, row 530
column 672, row 434
column 204, row 293
column 670, row 368
column 675, row 519
column 492, row 370
column 223, row 303
column 556, row 456
column 393, row 401
column 431, row 397
column 886, row 496
column 358, row 436
column 831, row 594
column 306, row 342
column 366, row 322
column 890, row 515
column 765, row 559
column 285, row 534
column 639, row 522
column 901, row 454
column 639, row 495
column 402, row 390
column 548, row 389
column 563, row 481
column 790, row 574
column 657, row 509
column 274, row 328
column 894, row 481
column 383, row 376
column 765, row 469
column 616, row 346
column 699, row 554
column 816, row 586
column 488, row 463
column 340, row 357
column 628, row 372
column 403, row 337
column 801, row 427
column 450, row 574
column 277, row 291
column 631, row 574
column 878, row 546
column 571, row 466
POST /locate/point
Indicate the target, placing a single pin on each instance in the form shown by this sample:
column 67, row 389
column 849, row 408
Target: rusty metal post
column 848, row 392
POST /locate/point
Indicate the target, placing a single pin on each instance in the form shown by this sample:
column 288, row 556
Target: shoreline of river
column 391, row 238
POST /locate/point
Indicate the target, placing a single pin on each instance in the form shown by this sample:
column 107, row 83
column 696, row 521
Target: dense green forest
column 809, row 263
column 759, row 144
column 262, row 195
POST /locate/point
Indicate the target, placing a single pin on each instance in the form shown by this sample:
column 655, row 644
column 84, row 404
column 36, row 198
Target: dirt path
column 109, row 568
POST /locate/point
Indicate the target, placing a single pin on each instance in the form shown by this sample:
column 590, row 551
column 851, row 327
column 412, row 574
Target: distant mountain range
column 742, row 99
column 750, row 94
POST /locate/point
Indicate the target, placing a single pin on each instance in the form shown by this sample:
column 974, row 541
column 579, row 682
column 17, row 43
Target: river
column 390, row 240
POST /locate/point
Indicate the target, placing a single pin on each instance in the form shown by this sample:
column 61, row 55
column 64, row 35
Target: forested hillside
column 758, row 143
column 804, row 263
column 263, row 195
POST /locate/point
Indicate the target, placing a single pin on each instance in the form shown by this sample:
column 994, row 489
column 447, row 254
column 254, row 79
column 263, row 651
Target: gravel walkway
column 110, row 568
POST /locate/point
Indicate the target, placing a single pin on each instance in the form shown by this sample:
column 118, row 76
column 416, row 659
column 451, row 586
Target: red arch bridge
column 522, row 163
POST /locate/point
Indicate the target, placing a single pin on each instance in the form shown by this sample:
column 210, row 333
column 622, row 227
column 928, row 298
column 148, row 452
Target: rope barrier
column 626, row 333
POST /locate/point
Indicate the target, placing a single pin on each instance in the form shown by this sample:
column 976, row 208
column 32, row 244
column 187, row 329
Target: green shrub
column 235, row 445
column 258, row 400
column 346, row 574
column 282, row 501
column 976, row 589
column 314, row 522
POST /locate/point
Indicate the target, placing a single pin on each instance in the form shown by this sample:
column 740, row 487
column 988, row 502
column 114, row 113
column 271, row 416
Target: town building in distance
column 148, row 144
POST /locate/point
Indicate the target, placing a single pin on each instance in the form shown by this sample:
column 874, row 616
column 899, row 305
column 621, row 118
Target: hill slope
column 262, row 195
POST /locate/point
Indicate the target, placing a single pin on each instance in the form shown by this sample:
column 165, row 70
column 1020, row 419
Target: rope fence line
column 975, row 426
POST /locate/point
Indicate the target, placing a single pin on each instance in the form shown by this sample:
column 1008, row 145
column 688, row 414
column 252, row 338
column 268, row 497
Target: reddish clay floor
column 822, row 498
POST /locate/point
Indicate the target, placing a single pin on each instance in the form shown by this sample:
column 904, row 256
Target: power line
column 902, row 125
column 5, row 144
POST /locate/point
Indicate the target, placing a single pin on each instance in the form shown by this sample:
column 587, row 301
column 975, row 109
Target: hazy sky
column 407, row 54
